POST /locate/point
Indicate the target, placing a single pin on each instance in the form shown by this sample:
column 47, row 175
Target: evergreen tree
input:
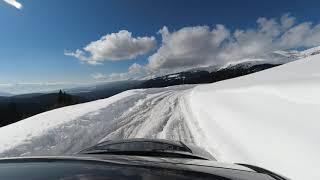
column 64, row 99
column 60, row 97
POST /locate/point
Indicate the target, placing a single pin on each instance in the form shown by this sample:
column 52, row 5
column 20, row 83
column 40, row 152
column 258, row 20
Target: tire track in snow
column 150, row 113
column 157, row 116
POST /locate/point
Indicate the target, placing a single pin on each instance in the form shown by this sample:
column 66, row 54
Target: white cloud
column 303, row 34
column 135, row 68
column 5, row 85
column 134, row 71
column 111, row 77
column 14, row 3
column 114, row 47
column 197, row 46
column 187, row 47
column 99, row 76
column 202, row 45
column 287, row 21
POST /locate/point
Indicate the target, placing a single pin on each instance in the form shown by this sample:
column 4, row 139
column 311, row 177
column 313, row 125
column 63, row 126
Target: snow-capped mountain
column 275, row 57
column 311, row 51
column 206, row 76
column 269, row 118
column 229, row 70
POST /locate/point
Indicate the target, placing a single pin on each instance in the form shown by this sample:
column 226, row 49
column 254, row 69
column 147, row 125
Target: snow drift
column 269, row 118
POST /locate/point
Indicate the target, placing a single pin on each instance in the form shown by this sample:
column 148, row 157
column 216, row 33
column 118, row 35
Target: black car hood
column 159, row 160
column 235, row 172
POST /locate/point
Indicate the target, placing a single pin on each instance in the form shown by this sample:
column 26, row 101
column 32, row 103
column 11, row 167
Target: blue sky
column 34, row 38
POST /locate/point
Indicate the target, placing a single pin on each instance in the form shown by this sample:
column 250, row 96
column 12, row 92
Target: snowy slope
column 270, row 118
column 56, row 131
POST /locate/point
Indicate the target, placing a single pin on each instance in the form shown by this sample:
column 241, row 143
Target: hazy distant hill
column 4, row 94
column 104, row 90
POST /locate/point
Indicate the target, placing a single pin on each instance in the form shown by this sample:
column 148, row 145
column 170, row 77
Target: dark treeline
column 64, row 99
column 13, row 109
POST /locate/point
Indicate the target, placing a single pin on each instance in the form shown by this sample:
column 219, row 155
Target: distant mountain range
column 4, row 94
column 104, row 90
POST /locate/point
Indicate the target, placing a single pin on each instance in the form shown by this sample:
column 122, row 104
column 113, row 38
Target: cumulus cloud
column 14, row 3
column 202, row 45
column 198, row 46
column 114, row 47
column 135, row 68
column 187, row 47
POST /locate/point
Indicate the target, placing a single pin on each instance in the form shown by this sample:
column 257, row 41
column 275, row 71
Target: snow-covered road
column 152, row 113
column 158, row 115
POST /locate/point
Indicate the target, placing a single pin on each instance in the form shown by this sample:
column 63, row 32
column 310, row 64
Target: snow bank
column 270, row 118
column 49, row 129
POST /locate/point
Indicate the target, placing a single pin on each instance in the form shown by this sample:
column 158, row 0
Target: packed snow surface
column 152, row 113
column 269, row 119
